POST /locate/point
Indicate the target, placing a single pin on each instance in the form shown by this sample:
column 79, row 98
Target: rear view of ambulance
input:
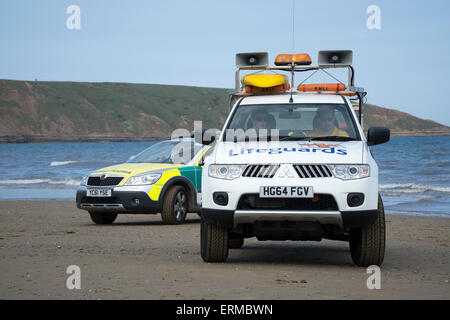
column 294, row 164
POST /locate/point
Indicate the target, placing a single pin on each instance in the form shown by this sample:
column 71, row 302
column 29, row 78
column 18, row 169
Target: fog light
column 220, row 198
column 135, row 201
column 355, row 199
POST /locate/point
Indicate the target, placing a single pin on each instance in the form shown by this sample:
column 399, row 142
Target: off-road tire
column 102, row 217
column 235, row 242
column 367, row 244
column 213, row 242
column 175, row 205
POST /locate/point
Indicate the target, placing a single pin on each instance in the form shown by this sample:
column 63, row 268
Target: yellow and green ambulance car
column 165, row 178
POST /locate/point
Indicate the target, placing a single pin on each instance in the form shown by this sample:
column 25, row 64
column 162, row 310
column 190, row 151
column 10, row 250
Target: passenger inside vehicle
column 325, row 124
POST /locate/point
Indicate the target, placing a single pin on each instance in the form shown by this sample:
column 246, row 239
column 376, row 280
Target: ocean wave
column 412, row 188
column 416, row 196
column 387, row 167
column 24, row 181
column 439, row 164
column 61, row 163
column 67, row 182
column 417, row 213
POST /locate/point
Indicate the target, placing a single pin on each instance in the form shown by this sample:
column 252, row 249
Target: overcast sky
column 404, row 65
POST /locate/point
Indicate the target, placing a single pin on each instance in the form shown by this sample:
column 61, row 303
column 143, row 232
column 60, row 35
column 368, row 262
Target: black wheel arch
column 187, row 184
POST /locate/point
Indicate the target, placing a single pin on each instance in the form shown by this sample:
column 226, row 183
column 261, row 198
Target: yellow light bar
column 298, row 59
column 283, row 59
column 302, row 59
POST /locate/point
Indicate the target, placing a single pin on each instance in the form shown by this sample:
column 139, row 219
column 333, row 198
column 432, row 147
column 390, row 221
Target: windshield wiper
column 333, row 138
column 268, row 138
column 293, row 138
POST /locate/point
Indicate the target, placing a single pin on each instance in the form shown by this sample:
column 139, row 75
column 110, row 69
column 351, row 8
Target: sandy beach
column 140, row 258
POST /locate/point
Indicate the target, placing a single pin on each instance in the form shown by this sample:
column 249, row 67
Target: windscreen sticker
column 304, row 147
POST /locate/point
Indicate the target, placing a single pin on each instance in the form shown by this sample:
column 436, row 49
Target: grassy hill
column 401, row 123
column 66, row 111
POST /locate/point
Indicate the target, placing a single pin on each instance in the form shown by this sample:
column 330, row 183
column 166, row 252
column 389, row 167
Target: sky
column 403, row 64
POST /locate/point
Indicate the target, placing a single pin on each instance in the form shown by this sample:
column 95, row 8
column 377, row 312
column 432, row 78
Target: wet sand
column 140, row 258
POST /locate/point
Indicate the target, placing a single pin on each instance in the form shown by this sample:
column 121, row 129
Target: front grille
column 260, row 170
column 313, row 171
column 108, row 181
column 325, row 202
column 99, row 200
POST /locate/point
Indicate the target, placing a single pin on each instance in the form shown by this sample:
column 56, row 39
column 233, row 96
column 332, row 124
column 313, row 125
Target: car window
column 172, row 152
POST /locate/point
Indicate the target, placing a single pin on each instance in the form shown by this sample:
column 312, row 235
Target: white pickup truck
column 293, row 164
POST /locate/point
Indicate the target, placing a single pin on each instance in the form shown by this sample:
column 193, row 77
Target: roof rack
column 329, row 59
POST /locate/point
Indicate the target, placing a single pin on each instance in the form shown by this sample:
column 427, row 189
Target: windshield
column 291, row 122
column 173, row 152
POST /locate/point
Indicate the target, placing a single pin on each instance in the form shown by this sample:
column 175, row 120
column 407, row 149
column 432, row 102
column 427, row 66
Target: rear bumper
column 344, row 220
column 119, row 202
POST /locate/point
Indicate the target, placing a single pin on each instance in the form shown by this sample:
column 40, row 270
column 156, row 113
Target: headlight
column 83, row 181
column 226, row 171
column 350, row 171
column 144, row 179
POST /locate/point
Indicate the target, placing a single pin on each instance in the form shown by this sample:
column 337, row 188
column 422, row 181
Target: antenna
column 292, row 80
column 292, row 51
column 293, row 24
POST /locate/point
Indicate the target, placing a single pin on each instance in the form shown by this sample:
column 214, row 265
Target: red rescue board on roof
column 335, row 87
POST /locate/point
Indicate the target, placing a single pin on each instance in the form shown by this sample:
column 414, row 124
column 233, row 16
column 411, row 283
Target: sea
column 414, row 171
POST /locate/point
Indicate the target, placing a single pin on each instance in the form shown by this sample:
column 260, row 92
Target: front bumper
column 340, row 214
column 119, row 202
column 334, row 187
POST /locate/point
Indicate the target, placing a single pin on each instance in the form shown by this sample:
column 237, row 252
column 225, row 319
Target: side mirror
column 378, row 135
column 202, row 161
column 208, row 140
column 207, row 136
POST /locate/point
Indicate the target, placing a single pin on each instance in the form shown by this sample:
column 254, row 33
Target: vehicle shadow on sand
column 155, row 222
column 305, row 253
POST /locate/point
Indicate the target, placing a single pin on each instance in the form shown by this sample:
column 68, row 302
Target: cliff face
column 401, row 123
column 66, row 111
column 71, row 111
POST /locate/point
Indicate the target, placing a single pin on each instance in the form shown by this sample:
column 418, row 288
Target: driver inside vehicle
column 259, row 120
column 325, row 124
